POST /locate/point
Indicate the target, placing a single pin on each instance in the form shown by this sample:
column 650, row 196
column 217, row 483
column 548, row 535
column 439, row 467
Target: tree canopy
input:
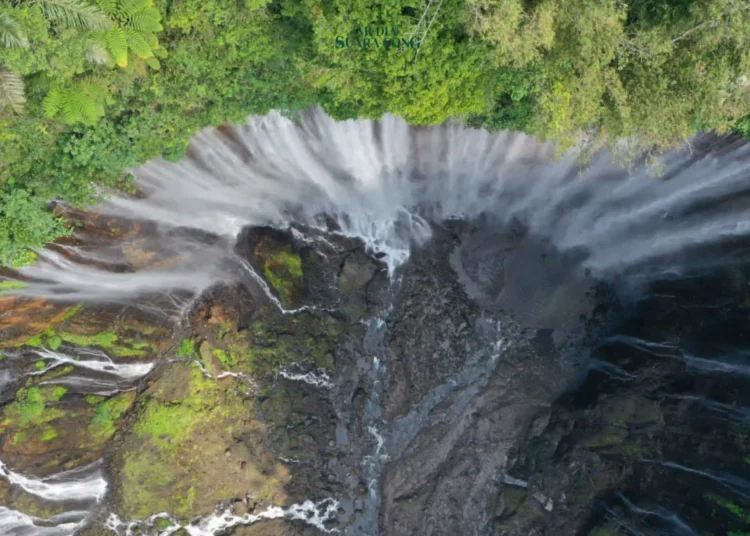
column 89, row 88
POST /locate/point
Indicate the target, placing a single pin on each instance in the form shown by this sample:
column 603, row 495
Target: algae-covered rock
column 271, row 342
column 276, row 527
column 281, row 267
column 17, row 499
column 190, row 447
column 43, row 431
column 22, row 319
column 121, row 334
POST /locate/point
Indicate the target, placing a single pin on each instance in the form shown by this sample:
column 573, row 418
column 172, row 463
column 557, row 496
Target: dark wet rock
column 357, row 272
column 647, row 442
column 277, row 528
column 478, row 405
column 18, row 499
column 429, row 333
column 466, row 383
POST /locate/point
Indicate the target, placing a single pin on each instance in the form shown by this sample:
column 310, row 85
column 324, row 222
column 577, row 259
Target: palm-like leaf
column 80, row 102
column 53, row 102
column 11, row 33
column 153, row 63
column 138, row 43
column 12, row 93
column 117, row 44
column 146, row 21
column 96, row 52
column 74, row 14
column 128, row 8
column 108, row 6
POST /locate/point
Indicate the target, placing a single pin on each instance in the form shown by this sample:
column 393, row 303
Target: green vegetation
column 283, row 269
column 162, row 524
column 10, row 284
column 102, row 426
column 32, row 412
column 228, row 360
column 32, row 402
column 107, row 340
column 735, row 509
column 57, row 372
column 175, row 459
column 169, row 425
column 89, row 88
column 186, row 349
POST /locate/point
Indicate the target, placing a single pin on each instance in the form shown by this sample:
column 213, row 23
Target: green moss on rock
column 43, row 428
column 182, row 454
column 282, row 268
column 104, row 423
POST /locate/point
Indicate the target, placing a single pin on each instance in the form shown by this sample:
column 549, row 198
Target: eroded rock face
column 653, row 437
column 466, row 383
column 258, row 406
column 459, row 398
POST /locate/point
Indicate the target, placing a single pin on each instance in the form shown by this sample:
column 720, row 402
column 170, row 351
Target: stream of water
column 386, row 183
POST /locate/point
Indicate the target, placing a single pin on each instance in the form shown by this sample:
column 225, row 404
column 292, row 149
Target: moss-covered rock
column 186, row 450
column 17, row 499
column 120, row 335
column 271, row 341
column 281, row 267
column 45, row 430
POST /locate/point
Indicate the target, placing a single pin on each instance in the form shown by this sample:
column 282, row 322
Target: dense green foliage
column 89, row 88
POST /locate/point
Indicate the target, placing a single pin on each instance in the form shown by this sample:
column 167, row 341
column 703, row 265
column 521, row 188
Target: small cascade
column 316, row 514
column 93, row 360
column 17, row 523
column 733, row 483
column 84, row 484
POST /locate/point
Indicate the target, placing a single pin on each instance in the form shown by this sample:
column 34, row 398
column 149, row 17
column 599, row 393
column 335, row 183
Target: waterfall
column 385, row 182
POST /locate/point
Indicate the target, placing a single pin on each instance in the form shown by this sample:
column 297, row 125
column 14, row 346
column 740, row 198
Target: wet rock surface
column 458, row 398
column 466, row 382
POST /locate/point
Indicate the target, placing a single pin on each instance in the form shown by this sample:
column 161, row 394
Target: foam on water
column 312, row 513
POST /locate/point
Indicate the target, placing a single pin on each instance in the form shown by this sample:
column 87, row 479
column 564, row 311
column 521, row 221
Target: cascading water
column 392, row 186
column 384, row 181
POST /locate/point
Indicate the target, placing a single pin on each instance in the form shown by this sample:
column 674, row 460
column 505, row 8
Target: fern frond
column 53, row 102
column 38, row 83
column 139, row 67
column 80, row 102
column 74, row 14
column 11, row 33
column 12, row 91
column 146, row 21
column 151, row 39
column 74, row 106
column 138, row 44
column 160, row 52
column 96, row 52
column 95, row 87
column 128, row 8
column 153, row 63
column 108, row 6
column 117, row 44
